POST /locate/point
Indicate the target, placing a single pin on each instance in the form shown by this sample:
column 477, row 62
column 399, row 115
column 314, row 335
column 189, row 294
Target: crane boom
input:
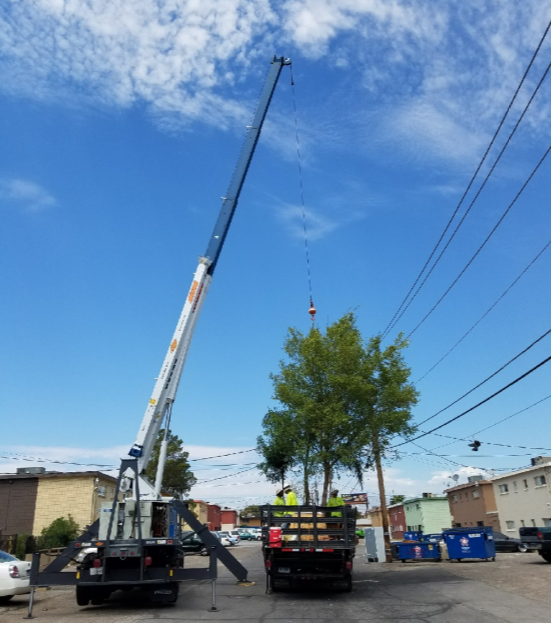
column 166, row 386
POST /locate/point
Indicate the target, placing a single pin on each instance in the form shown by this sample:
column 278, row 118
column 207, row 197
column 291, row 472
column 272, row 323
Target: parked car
column 223, row 539
column 246, row 535
column 232, row 535
column 14, row 577
column 506, row 543
column 192, row 544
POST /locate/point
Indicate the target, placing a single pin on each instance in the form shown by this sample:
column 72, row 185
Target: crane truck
column 135, row 543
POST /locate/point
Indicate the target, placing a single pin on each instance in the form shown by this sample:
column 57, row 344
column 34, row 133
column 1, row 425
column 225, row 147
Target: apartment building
column 473, row 504
column 33, row 498
column 523, row 497
column 429, row 513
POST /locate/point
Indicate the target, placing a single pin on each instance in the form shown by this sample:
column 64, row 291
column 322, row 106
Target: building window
column 461, row 496
column 540, row 481
column 479, row 523
column 525, row 483
column 547, row 522
column 101, row 491
column 504, row 489
column 476, row 494
column 454, row 498
column 515, row 485
column 510, row 525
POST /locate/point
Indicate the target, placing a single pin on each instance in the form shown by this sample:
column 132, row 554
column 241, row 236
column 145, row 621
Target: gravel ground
column 521, row 574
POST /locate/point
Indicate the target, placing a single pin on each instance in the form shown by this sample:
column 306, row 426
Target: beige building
column 79, row 494
column 523, row 497
column 32, row 498
column 375, row 514
column 473, row 504
column 200, row 510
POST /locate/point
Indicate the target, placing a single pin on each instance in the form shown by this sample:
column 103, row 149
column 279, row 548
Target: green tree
column 177, row 477
column 276, row 447
column 252, row 509
column 342, row 401
column 59, row 533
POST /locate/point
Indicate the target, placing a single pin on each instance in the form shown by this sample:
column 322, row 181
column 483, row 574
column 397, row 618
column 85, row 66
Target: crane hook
column 312, row 310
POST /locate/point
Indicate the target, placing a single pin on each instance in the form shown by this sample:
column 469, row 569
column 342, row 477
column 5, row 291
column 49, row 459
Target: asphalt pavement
column 425, row 593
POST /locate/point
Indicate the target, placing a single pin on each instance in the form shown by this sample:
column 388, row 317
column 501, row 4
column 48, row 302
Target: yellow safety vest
column 338, row 501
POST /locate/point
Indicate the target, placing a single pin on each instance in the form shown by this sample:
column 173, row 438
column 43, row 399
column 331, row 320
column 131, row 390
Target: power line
column 487, row 443
column 486, row 240
column 472, row 435
column 217, row 456
column 395, row 319
column 487, row 378
column 487, row 311
column 542, row 363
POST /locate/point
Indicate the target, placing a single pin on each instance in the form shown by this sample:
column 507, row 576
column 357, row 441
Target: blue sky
column 121, row 123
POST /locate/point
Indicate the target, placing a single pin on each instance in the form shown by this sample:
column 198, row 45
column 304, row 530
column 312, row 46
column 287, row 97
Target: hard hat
column 279, row 491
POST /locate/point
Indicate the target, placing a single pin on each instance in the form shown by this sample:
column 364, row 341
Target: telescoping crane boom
column 136, row 542
column 159, row 408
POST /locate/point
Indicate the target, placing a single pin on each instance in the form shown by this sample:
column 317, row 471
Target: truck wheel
column 522, row 548
column 83, row 595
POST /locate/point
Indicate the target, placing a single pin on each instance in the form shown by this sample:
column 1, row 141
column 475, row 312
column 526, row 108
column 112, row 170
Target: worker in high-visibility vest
column 279, row 501
column 291, row 496
column 335, row 500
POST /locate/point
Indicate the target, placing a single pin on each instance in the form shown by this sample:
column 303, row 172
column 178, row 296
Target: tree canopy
column 341, row 400
column 178, row 477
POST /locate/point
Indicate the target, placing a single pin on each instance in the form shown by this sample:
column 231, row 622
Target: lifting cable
column 312, row 310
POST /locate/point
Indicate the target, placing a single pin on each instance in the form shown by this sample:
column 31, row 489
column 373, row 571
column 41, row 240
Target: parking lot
column 514, row 589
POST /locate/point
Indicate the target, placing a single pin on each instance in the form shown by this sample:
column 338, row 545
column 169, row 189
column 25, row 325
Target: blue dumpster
column 418, row 551
column 431, row 538
column 412, row 535
column 470, row 543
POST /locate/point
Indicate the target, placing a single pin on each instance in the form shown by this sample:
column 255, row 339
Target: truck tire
column 83, row 595
column 522, row 547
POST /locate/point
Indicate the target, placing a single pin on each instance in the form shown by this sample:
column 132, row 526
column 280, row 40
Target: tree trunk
column 326, row 480
column 382, row 495
column 305, row 481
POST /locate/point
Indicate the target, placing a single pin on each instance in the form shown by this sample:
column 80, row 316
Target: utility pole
column 382, row 495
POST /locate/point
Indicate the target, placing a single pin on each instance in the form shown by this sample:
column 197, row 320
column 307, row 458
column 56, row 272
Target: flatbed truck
column 308, row 545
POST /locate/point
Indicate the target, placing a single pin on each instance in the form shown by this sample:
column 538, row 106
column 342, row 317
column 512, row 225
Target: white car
column 14, row 577
column 223, row 539
column 232, row 538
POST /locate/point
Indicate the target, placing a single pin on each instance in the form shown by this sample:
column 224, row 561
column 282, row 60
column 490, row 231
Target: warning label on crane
column 192, row 291
column 173, row 345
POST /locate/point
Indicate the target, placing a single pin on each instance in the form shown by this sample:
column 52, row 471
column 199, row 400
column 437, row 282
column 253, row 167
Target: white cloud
column 26, row 194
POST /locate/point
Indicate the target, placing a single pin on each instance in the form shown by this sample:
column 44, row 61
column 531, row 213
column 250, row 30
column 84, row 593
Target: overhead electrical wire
column 486, row 240
column 399, row 312
column 479, row 404
column 487, row 378
column 498, row 422
column 486, row 312
column 486, row 443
